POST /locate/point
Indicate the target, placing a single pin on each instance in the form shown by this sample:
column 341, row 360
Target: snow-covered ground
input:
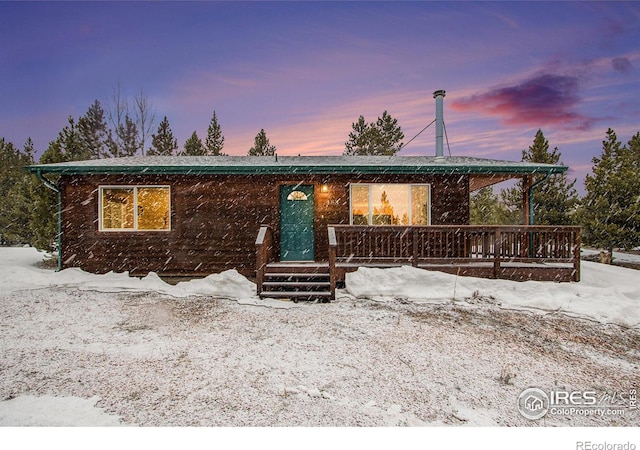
column 398, row 347
column 633, row 258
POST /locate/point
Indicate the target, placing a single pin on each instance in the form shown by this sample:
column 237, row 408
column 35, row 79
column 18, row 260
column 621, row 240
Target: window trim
column 135, row 208
column 410, row 209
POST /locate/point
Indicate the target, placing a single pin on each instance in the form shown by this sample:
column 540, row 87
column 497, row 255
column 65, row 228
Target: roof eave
column 305, row 170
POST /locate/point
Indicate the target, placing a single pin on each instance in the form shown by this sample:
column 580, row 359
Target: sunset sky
column 304, row 71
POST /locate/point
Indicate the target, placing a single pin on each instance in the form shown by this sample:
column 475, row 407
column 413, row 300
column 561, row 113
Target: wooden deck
column 546, row 253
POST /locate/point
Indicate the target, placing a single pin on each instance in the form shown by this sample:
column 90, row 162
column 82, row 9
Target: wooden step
column 297, row 281
column 298, row 264
column 296, row 284
column 297, row 268
column 296, row 296
column 295, row 275
column 296, row 293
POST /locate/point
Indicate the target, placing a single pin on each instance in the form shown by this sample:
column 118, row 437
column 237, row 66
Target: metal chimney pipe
column 439, row 95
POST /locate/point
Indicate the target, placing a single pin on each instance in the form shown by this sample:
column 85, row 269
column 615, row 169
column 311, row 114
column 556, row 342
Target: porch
column 545, row 253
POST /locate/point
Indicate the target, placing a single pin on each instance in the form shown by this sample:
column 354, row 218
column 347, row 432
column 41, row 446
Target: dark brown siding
column 215, row 219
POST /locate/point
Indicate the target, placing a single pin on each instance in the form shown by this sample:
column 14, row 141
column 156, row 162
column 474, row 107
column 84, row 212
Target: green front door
column 296, row 223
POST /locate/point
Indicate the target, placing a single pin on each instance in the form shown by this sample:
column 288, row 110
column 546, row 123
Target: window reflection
column 135, row 208
column 117, row 208
column 389, row 204
column 419, row 205
column 153, row 208
column 360, row 204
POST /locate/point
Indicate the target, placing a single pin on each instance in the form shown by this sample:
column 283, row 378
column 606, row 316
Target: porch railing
column 264, row 253
column 497, row 251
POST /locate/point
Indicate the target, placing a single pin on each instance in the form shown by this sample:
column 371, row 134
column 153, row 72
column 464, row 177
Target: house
column 300, row 223
column 192, row 216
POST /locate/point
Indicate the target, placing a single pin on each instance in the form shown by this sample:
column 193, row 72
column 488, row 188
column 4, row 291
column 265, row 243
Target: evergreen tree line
column 609, row 212
column 121, row 131
column 28, row 210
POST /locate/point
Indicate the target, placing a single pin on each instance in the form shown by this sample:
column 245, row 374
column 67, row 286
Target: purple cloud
column 622, row 64
column 541, row 100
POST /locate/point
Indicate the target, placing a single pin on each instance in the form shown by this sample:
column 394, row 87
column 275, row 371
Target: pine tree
column 29, row 150
column 9, row 160
column 129, row 136
column 163, row 143
column 383, row 137
column 634, row 149
column 262, row 146
column 20, row 196
column 193, row 146
column 215, row 140
column 12, row 163
column 555, row 200
column 92, row 129
column 44, row 213
column 125, row 140
column 360, row 139
column 113, row 148
column 71, row 143
column 391, row 134
column 610, row 210
column 485, row 208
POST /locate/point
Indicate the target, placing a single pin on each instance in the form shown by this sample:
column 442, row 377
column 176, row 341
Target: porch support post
column 576, row 255
column 527, row 182
column 414, row 239
column 497, row 252
column 531, row 198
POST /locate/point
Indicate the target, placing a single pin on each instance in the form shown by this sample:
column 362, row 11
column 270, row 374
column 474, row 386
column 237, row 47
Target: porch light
column 324, row 188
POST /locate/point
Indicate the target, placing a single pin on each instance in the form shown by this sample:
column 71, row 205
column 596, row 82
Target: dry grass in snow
column 156, row 360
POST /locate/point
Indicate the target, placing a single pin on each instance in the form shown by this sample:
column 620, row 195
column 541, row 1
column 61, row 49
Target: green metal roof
column 248, row 165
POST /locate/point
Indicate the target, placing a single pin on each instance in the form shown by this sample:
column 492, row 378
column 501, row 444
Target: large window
column 390, row 204
column 131, row 208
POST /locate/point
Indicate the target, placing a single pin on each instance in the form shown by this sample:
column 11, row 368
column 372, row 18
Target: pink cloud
column 323, row 130
column 545, row 99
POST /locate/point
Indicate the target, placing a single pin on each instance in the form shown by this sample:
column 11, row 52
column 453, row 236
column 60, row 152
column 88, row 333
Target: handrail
column 456, row 227
column 262, row 233
column 333, row 247
column 332, row 236
column 264, row 253
column 469, row 244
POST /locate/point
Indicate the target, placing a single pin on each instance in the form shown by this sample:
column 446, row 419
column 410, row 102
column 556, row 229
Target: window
column 359, row 204
column 297, row 195
column 390, row 204
column 131, row 208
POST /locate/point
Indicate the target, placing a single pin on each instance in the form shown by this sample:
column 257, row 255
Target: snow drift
column 606, row 294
